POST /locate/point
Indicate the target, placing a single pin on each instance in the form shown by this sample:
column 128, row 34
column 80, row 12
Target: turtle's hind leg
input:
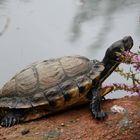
column 12, row 117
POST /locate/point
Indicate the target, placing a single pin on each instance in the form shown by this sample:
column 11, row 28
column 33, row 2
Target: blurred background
column 32, row 30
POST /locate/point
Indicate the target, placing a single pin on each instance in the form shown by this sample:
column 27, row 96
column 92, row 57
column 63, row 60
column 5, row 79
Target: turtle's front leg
column 11, row 118
column 95, row 105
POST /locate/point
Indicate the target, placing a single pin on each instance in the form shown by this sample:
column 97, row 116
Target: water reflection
column 111, row 7
column 6, row 24
column 87, row 10
column 92, row 10
column 25, row 1
column 3, row 3
column 138, row 26
column 4, row 19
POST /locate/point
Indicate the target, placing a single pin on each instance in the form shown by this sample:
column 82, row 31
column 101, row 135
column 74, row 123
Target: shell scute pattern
column 23, row 103
column 26, row 81
column 38, row 99
column 54, row 96
column 7, row 102
column 84, row 83
column 50, row 73
column 96, row 69
column 8, row 89
column 55, row 82
column 74, row 66
column 69, row 89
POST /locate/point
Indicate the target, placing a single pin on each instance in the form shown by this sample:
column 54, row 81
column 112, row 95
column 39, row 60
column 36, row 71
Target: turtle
column 53, row 85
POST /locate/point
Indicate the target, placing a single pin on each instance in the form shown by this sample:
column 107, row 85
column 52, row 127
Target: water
column 32, row 30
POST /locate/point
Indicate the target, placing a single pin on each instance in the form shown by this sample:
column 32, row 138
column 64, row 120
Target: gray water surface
column 32, row 30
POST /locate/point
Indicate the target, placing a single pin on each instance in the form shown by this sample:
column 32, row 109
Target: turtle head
column 111, row 58
column 125, row 44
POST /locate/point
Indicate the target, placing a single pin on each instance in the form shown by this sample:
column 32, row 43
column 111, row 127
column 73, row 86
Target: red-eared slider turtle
column 56, row 84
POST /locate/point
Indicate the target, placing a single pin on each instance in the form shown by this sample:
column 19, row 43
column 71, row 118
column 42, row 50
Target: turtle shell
column 56, row 82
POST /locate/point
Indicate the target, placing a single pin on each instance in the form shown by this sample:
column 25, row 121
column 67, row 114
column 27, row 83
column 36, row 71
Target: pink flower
column 136, row 61
column 133, row 59
column 122, row 86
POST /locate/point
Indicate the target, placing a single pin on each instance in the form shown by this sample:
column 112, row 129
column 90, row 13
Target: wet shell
column 56, row 82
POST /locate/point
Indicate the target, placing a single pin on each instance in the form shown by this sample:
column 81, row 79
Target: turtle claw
column 10, row 120
column 96, row 112
column 103, row 98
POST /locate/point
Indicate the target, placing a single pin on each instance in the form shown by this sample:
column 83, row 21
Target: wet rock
column 118, row 109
